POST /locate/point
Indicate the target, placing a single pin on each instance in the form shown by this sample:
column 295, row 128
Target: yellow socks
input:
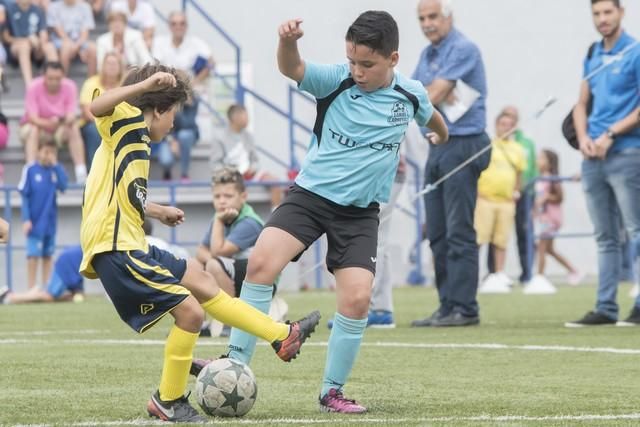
column 237, row 313
column 178, row 352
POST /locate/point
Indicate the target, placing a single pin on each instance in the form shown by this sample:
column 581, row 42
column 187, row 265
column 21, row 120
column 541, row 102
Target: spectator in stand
column 66, row 283
column 38, row 186
column 50, row 115
column 140, row 16
column 128, row 42
column 26, row 36
column 181, row 140
column 71, row 21
column 110, row 77
column 187, row 53
column 498, row 192
column 234, row 146
column 98, row 7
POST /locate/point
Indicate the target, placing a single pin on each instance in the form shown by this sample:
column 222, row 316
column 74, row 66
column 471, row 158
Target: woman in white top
column 128, row 42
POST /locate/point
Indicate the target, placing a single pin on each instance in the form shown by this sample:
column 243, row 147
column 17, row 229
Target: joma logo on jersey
column 399, row 114
column 145, row 308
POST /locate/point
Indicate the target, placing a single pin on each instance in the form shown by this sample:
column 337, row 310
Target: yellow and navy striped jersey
column 115, row 194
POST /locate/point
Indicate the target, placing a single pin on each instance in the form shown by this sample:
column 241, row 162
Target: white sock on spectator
column 81, row 173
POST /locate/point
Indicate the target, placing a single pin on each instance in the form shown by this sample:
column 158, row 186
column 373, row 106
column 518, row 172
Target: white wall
column 532, row 50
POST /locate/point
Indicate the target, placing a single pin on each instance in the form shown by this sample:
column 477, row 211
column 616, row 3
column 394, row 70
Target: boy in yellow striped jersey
column 144, row 282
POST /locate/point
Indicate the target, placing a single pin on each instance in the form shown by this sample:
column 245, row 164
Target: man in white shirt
column 188, row 53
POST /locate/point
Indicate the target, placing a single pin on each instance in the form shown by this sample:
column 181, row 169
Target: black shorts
column 143, row 287
column 352, row 232
column 236, row 270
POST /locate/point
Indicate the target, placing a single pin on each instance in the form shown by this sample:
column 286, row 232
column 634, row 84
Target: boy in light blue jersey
column 363, row 109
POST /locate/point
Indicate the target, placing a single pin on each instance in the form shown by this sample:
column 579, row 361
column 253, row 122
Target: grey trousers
column 381, row 295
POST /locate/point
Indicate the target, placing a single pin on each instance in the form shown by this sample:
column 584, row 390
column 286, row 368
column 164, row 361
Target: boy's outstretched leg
column 353, row 293
column 285, row 339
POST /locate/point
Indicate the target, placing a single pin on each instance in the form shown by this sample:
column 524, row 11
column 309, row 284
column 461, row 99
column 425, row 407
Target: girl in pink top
column 548, row 214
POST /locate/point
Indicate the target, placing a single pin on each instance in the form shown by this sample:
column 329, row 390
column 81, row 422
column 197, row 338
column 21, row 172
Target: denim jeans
column 92, row 140
column 449, row 210
column 187, row 138
column 612, row 188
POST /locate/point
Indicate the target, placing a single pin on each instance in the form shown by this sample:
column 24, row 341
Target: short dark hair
column 229, row 175
column 233, row 109
column 375, row 29
column 50, row 143
column 615, row 2
column 53, row 65
column 159, row 100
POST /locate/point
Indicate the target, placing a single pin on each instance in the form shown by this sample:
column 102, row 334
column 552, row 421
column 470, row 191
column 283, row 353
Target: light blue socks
column 344, row 344
column 241, row 344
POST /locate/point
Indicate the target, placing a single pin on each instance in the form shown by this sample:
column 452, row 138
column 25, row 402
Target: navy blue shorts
column 352, row 232
column 143, row 287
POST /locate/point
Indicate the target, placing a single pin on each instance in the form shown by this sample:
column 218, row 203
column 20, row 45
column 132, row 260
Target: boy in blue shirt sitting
column 66, row 283
column 38, row 186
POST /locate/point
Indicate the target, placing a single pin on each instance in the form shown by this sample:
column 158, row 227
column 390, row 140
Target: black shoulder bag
column 568, row 127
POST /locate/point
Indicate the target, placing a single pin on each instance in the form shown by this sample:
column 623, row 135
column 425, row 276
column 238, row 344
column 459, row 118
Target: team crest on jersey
column 137, row 192
column 399, row 114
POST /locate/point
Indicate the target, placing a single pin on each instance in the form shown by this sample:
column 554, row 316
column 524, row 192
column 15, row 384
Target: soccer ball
column 227, row 388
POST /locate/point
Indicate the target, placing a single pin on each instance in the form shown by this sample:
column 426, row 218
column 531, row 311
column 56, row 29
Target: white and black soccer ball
column 227, row 388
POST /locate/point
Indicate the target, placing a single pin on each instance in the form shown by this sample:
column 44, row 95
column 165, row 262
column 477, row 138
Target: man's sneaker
column 428, row 321
column 289, row 348
column 592, row 318
column 177, row 411
column 632, row 320
column 198, row 365
column 380, row 319
column 334, row 401
column 455, row 319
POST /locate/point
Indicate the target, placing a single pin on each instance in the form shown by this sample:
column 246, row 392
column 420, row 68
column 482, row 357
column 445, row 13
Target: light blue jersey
column 354, row 151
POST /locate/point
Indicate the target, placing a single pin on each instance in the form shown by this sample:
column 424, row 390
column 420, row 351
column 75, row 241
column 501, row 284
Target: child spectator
column 127, row 42
column 66, row 283
column 110, row 77
column 232, row 233
column 38, row 186
column 234, row 146
column 548, row 215
column 497, row 194
column 26, row 36
column 71, row 21
column 50, row 114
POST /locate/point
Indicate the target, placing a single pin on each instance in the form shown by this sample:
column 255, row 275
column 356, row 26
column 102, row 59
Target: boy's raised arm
column 289, row 61
column 105, row 103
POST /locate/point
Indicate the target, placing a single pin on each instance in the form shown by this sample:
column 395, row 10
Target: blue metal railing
column 171, row 186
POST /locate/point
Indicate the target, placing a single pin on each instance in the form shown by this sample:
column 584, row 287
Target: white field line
column 54, row 332
column 363, row 420
column 434, row 346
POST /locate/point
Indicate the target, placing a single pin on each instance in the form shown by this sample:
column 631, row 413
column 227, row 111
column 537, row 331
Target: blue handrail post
column 416, row 276
column 239, row 85
column 8, row 249
column 184, row 5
